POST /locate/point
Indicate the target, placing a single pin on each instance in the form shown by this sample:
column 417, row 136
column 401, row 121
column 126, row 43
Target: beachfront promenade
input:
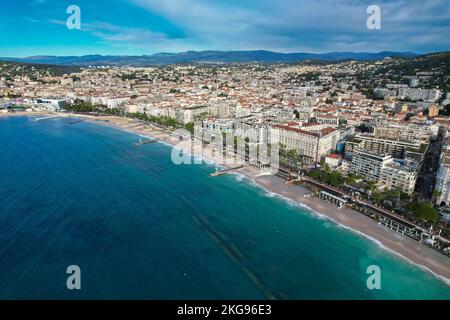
column 387, row 218
column 340, row 198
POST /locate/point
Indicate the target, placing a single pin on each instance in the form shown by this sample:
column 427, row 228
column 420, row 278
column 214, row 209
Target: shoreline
column 403, row 247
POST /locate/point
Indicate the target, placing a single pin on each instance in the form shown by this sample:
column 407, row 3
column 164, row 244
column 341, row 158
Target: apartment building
column 408, row 132
column 369, row 165
column 190, row 113
column 221, row 110
column 255, row 130
column 419, row 94
column 213, row 128
column 399, row 149
column 397, row 176
column 114, row 102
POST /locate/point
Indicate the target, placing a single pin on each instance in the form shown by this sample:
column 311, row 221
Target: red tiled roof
column 327, row 116
column 289, row 127
column 327, row 131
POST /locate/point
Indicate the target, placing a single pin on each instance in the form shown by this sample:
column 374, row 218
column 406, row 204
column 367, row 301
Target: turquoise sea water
column 141, row 227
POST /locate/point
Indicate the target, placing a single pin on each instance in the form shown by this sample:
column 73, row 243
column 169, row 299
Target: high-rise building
column 369, row 165
column 419, row 94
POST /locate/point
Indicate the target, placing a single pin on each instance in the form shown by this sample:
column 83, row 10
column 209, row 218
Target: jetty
column 48, row 117
column 223, row 171
column 142, row 142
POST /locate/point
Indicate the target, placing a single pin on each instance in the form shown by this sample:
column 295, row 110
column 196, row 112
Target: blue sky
column 135, row 27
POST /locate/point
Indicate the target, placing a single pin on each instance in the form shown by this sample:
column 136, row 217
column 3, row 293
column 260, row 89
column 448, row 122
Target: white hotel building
column 314, row 142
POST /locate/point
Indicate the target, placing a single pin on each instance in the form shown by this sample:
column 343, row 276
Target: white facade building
column 396, row 176
column 369, row 165
column 333, row 160
column 313, row 142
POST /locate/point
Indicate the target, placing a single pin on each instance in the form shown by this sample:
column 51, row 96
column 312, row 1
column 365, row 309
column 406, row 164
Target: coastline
column 389, row 240
column 404, row 247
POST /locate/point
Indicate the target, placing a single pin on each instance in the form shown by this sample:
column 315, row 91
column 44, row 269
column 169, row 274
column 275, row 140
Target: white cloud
column 293, row 25
column 285, row 25
column 117, row 36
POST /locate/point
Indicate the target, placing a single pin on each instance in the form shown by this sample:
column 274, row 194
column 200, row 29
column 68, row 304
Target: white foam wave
column 382, row 246
column 322, row 216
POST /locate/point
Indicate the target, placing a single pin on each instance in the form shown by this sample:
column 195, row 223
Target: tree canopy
column 424, row 211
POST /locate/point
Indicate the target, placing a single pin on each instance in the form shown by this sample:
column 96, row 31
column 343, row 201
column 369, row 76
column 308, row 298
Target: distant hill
column 425, row 63
column 11, row 68
column 207, row 57
column 434, row 69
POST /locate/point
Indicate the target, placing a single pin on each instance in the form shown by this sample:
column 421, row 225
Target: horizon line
column 214, row 50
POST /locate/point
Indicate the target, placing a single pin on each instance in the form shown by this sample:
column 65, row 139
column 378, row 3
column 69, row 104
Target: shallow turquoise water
column 141, row 227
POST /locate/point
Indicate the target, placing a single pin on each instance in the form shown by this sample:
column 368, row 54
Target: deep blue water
column 141, row 227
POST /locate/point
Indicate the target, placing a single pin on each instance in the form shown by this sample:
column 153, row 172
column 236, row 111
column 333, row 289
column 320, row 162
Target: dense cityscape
column 369, row 135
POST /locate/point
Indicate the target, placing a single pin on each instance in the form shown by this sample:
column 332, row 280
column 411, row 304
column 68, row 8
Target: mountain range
column 206, row 57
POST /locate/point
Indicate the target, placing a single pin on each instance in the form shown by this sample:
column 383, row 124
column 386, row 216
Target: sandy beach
column 404, row 247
